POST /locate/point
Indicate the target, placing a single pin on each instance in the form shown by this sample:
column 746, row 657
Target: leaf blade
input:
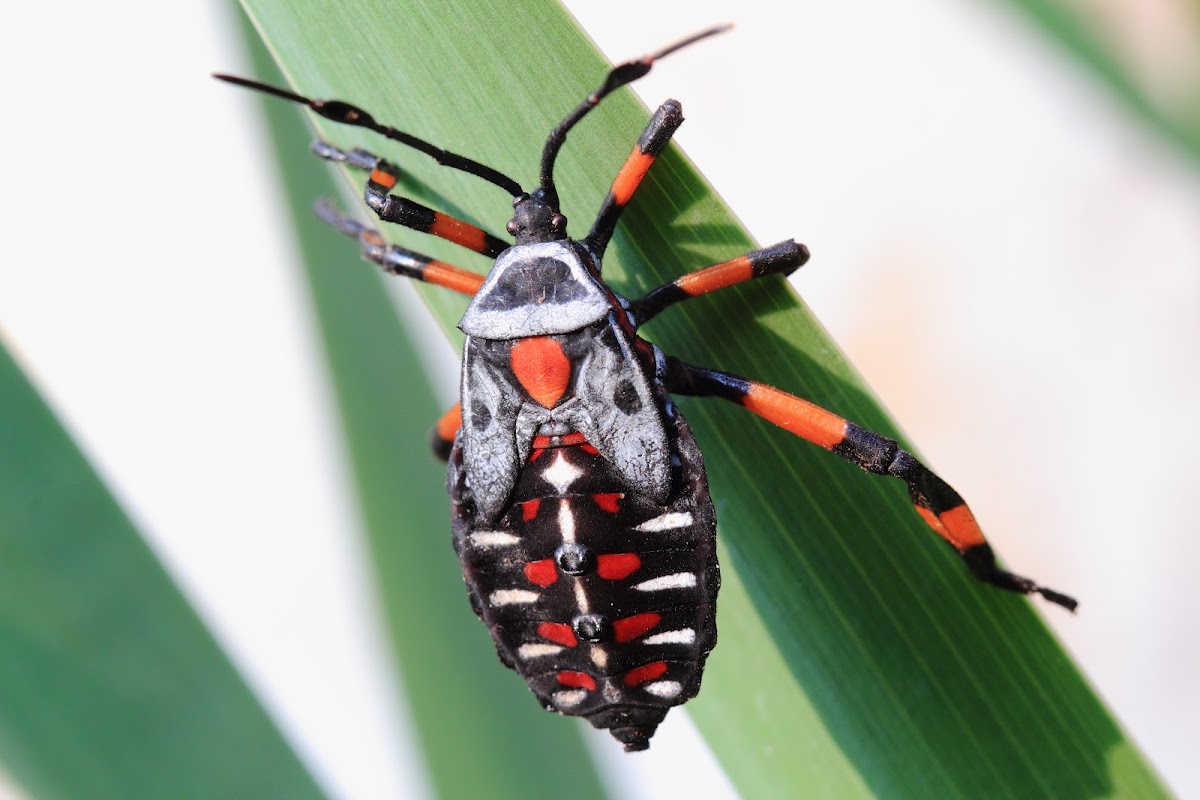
column 867, row 622
column 110, row 686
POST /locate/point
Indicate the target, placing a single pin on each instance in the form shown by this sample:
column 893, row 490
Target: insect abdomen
column 602, row 600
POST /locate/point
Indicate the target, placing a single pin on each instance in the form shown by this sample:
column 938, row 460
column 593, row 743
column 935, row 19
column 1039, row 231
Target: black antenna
column 620, row 75
column 347, row 114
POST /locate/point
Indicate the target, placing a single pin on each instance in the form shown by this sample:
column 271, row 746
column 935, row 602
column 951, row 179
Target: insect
column 580, row 508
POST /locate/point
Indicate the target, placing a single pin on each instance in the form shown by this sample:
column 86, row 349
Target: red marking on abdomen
column 529, row 508
column 558, row 632
column 607, row 501
column 630, row 628
column 543, row 572
column 579, row 680
column 542, row 368
column 566, row 440
column 615, row 566
column 644, row 673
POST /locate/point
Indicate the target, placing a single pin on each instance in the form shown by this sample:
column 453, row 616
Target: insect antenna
column 347, row 114
column 620, row 75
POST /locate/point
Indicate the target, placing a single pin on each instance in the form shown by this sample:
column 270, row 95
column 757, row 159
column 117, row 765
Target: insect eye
column 511, row 227
column 558, row 222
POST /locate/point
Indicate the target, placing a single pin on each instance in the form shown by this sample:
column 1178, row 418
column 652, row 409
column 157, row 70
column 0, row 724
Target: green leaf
column 110, row 686
column 857, row 658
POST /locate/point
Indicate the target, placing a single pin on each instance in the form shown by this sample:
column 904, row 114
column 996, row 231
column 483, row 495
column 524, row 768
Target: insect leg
column 441, row 438
column 401, row 210
column 397, row 260
column 939, row 505
column 778, row 259
column 654, row 139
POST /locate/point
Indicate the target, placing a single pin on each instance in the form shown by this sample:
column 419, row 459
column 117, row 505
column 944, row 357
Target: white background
column 1013, row 265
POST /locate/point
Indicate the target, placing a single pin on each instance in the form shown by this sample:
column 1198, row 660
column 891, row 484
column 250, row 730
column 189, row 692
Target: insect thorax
column 537, row 290
column 546, row 354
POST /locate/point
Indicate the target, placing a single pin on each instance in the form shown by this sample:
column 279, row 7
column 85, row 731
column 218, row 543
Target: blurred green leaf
column 857, row 658
column 1084, row 39
column 110, row 686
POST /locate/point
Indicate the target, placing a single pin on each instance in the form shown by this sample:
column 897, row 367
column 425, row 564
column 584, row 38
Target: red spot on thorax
column 615, row 566
column 630, row 628
column 644, row 673
column 607, row 501
column 543, row 572
column 558, row 632
column 542, row 368
column 529, row 509
column 579, row 680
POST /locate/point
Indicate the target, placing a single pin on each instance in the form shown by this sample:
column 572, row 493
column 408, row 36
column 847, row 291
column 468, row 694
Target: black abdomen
column 603, row 601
